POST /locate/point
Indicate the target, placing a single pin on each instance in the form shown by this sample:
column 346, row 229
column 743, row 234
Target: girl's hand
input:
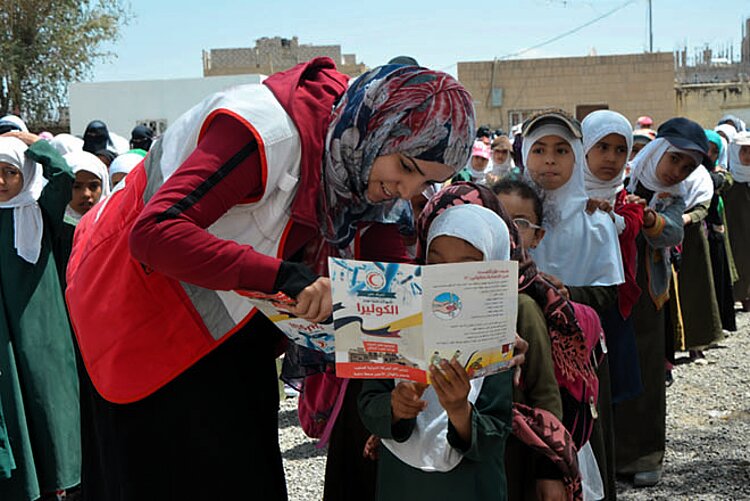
column 649, row 217
column 406, row 400
column 550, row 490
column 314, row 303
column 594, row 203
column 635, row 199
column 452, row 386
column 519, row 358
column 686, row 219
column 26, row 137
column 371, row 448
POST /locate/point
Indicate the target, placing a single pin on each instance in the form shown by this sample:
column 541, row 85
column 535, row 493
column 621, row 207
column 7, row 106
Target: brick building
column 659, row 84
column 274, row 54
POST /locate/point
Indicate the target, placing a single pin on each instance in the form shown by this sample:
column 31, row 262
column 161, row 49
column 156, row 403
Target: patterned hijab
column 391, row 109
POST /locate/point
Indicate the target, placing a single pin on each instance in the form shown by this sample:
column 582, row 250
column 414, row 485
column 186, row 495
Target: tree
column 47, row 44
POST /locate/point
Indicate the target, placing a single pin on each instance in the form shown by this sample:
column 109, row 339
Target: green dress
column 481, row 472
column 38, row 378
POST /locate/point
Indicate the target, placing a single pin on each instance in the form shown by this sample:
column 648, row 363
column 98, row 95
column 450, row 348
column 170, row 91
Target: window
column 158, row 125
column 516, row 117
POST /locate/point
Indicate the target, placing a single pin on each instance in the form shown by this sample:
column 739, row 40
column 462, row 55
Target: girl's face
column 745, row 155
column 607, row 158
column 87, row 190
column 674, row 167
column 11, row 181
column 499, row 157
column 637, row 146
column 521, row 210
column 445, row 249
column 551, row 161
column 713, row 151
column 479, row 163
column 400, row 176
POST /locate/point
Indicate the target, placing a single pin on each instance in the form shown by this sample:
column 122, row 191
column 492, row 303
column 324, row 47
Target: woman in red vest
column 249, row 190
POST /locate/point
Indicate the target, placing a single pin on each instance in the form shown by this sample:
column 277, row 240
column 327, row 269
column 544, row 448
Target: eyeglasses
column 525, row 224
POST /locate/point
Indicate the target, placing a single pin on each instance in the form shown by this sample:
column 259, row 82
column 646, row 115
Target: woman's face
column 87, row 190
column 551, row 161
column 499, row 157
column 400, row 176
column 11, row 181
column 674, row 167
column 518, row 209
column 607, row 158
column 445, row 249
column 745, row 155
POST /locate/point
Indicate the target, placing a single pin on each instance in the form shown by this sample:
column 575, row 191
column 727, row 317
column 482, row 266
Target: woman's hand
column 406, row 400
column 314, row 303
column 26, row 137
column 519, row 358
column 550, row 490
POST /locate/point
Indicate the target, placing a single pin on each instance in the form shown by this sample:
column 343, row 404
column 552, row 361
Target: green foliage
column 47, row 44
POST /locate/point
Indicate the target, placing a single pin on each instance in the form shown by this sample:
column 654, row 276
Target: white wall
column 121, row 105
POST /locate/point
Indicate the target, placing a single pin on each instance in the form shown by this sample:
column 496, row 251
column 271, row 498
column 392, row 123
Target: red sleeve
column 170, row 235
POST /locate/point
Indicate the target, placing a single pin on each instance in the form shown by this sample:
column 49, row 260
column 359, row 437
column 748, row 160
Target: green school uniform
column 38, row 379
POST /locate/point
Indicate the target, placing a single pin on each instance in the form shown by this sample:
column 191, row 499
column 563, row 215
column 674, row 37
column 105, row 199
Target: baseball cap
column 685, row 134
column 552, row 116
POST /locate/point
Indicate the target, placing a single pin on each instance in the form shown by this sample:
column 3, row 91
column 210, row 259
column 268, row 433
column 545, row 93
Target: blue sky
column 164, row 39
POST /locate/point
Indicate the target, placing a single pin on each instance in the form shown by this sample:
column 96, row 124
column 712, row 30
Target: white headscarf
column 643, row 169
column 699, row 188
column 28, row 226
column 66, row 143
column 595, row 127
column 580, row 249
column 16, row 120
column 730, row 132
column 85, row 161
column 124, row 163
column 740, row 172
column 427, row 447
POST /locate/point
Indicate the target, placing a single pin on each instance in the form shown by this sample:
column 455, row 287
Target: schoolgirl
column 450, row 436
column 657, row 173
column 738, row 206
column 607, row 141
column 38, row 380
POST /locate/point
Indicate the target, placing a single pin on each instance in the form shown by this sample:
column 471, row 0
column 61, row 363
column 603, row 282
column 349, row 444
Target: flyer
column 394, row 320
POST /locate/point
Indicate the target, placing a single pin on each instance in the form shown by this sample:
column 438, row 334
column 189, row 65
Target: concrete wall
column 633, row 84
column 707, row 103
column 123, row 105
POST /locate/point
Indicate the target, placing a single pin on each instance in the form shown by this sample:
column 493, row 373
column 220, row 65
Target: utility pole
column 650, row 28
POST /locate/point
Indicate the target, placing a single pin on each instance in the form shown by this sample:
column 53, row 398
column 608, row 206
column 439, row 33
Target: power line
column 563, row 35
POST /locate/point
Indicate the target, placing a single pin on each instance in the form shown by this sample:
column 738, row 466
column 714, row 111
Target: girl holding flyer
column 451, row 435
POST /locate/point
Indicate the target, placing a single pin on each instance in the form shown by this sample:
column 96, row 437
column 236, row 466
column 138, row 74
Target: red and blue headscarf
column 391, row 109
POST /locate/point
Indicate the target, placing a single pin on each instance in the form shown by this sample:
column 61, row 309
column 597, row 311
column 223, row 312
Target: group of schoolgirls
column 47, row 183
column 608, row 244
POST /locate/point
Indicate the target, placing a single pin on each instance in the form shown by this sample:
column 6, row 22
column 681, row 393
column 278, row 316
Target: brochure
column 316, row 336
column 394, row 320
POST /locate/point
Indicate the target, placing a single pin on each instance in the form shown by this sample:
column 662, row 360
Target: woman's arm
column 177, row 243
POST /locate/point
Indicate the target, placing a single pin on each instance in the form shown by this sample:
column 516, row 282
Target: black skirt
column 212, row 433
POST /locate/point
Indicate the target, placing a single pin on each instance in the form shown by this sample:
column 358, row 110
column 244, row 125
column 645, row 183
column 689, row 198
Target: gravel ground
column 708, row 433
